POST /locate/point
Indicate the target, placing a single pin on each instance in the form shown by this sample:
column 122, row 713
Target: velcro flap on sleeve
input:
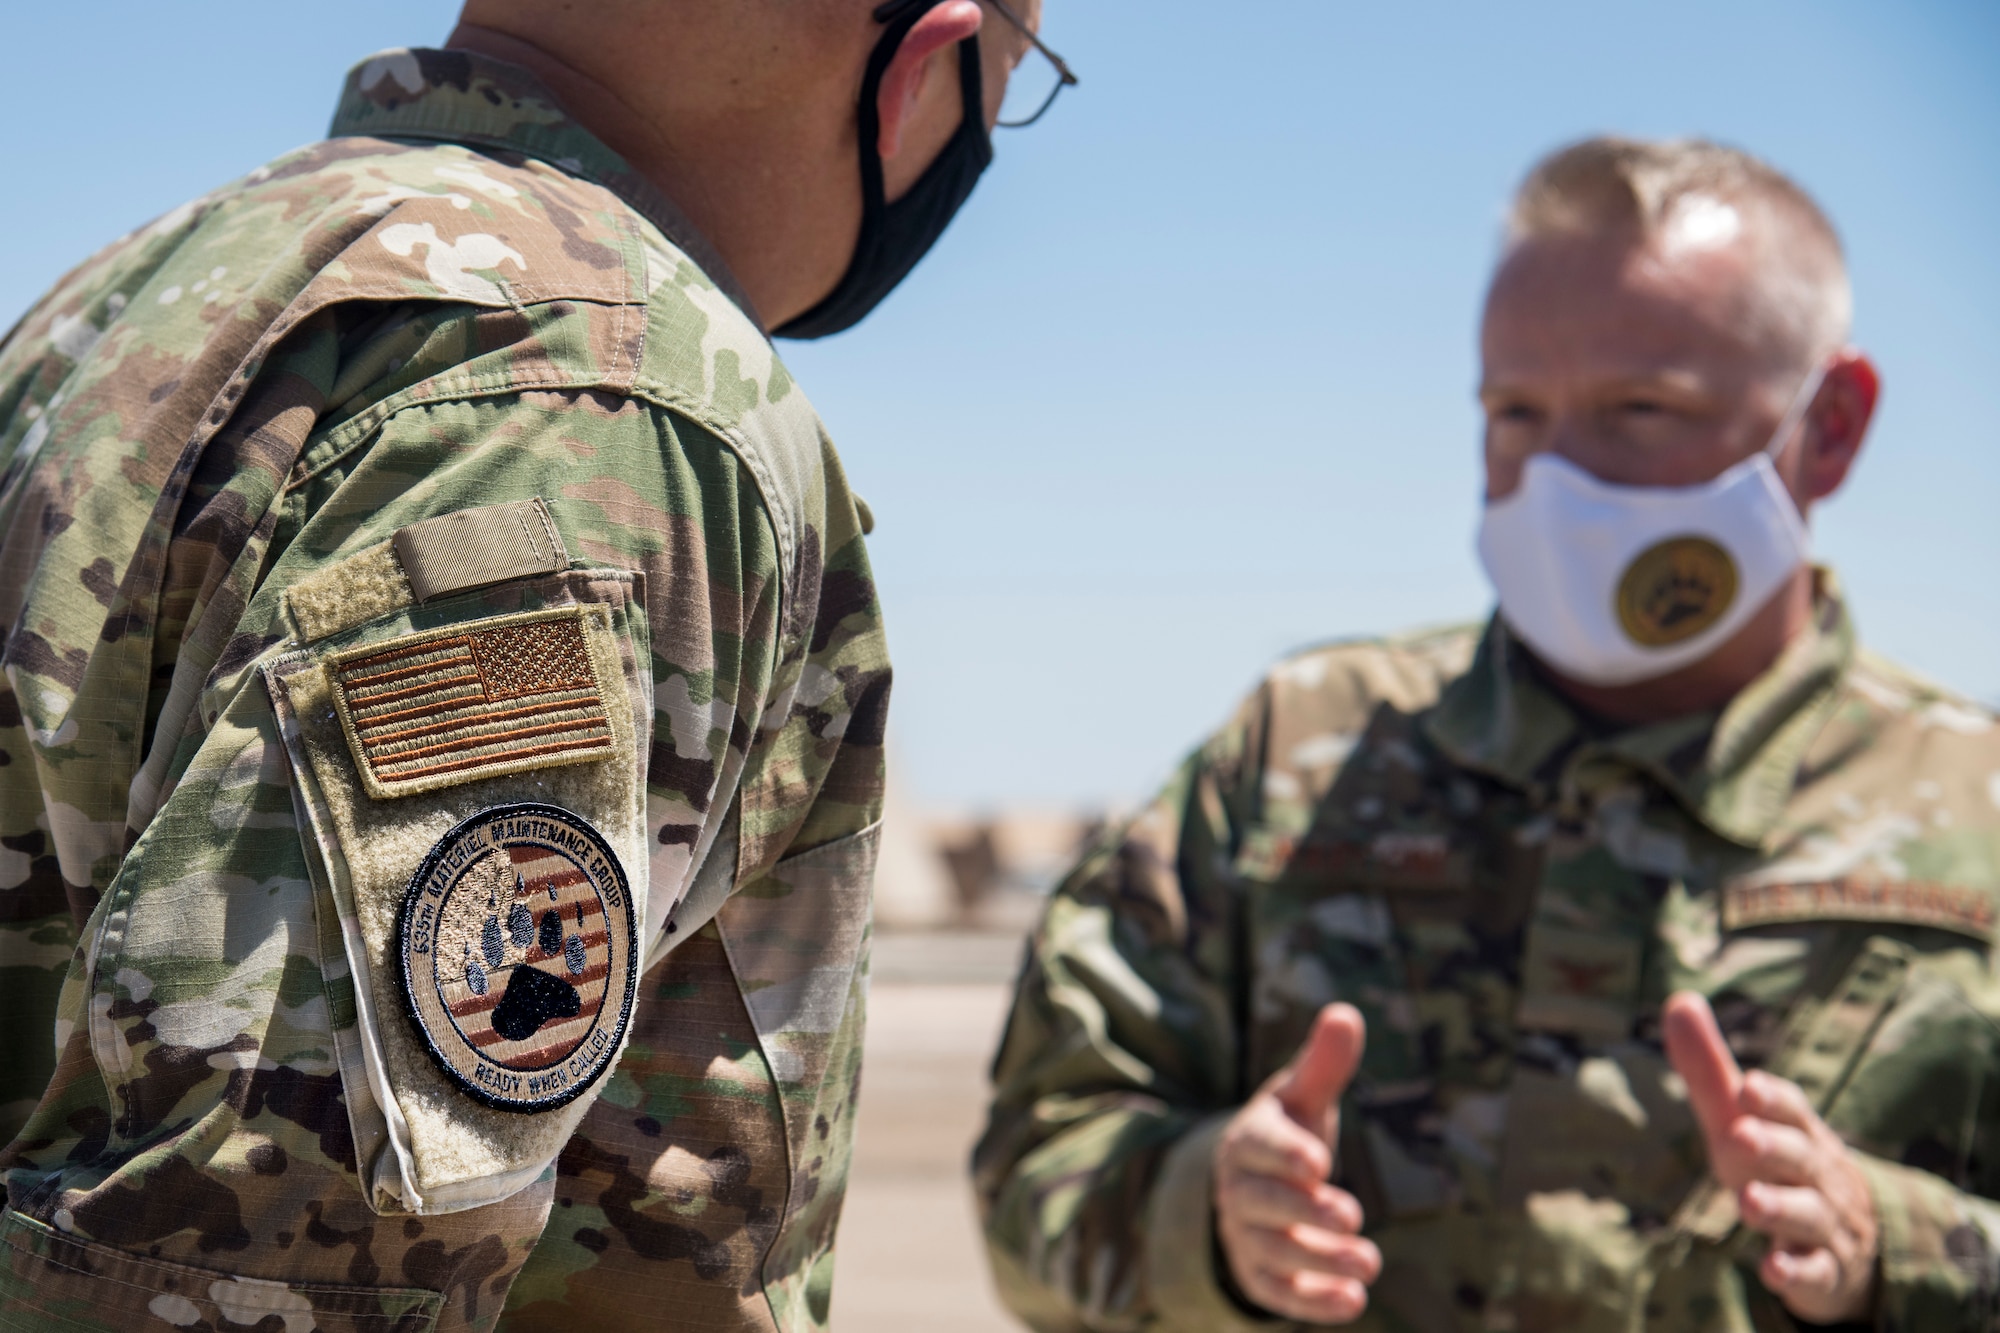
column 475, row 547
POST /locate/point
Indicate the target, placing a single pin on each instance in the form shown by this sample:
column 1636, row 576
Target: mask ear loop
column 1802, row 403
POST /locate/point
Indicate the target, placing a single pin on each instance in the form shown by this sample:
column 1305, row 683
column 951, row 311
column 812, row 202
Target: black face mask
column 895, row 236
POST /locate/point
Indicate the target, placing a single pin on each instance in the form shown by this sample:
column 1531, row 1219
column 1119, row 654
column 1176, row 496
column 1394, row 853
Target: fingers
column 1309, row 1088
column 1807, row 1281
column 1764, row 1150
column 1703, row 1060
column 1262, row 1202
column 1293, row 1251
column 1794, row 1179
column 1308, row 1297
column 1806, row 1193
column 1310, row 1250
column 1769, row 1097
column 1263, row 1140
column 1759, row 1127
column 1794, row 1218
column 1288, row 1235
column 1316, row 1271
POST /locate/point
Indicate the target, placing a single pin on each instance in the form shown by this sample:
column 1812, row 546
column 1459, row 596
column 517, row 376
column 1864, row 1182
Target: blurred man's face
column 1633, row 362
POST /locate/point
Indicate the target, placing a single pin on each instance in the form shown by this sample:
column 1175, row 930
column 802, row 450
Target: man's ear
column 942, row 29
column 1837, row 422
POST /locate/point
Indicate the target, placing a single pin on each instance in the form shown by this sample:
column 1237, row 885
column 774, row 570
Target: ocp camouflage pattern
column 1507, row 891
column 460, row 299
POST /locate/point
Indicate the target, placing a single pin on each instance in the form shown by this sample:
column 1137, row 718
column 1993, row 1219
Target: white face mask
column 1615, row 584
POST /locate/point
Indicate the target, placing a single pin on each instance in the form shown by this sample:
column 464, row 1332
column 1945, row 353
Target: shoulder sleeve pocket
column 470, row 772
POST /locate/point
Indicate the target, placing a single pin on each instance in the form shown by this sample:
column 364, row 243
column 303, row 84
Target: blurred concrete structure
column 958, row 871
column 1001, row 866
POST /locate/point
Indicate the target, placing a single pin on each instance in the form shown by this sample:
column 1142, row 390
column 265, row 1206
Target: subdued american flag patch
column 497, row 696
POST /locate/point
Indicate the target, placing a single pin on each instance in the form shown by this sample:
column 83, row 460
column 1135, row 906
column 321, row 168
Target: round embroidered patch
column 517, row 946
column 1674, row 590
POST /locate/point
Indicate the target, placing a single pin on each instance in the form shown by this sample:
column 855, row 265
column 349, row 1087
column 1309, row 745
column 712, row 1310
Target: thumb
column 1309, row 1087
column 1703, row 1060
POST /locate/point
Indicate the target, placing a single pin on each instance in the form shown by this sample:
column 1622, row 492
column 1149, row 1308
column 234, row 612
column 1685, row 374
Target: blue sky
column 1189, row 384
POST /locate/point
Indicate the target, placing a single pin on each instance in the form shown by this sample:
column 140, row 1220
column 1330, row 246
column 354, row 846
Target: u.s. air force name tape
column 517, row 947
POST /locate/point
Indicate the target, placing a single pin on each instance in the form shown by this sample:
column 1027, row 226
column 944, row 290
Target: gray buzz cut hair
column 1692, row 192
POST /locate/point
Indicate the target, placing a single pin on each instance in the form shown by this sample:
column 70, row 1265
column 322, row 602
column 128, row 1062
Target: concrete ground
column 910, row 1257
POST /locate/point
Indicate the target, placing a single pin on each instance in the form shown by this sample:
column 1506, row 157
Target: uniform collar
column 467, row 98
column 1733, row 770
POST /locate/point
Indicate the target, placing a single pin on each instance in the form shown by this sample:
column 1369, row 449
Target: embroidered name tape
column 517, row 946
column 435, row 709
column 1855, row 898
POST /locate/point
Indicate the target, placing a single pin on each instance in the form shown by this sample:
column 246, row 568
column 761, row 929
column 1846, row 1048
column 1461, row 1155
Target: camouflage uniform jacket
column 442, row 650
column 1507, row 892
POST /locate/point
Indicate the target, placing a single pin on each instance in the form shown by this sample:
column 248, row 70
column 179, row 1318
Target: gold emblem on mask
column 1674, row 590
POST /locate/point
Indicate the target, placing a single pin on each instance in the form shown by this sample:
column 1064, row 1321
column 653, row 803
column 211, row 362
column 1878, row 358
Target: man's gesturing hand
column 1795, row 1181
column 1289, row 1236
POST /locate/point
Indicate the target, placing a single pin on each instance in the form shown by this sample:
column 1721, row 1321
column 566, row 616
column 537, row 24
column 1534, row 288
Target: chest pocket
column 1899, row 1059
column 1392, row 923
column 1899, row 1056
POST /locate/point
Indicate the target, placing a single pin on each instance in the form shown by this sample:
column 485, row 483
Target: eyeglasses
column 1033, row 87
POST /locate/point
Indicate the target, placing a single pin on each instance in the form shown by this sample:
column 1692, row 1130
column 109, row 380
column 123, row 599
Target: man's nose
column 1569, row 437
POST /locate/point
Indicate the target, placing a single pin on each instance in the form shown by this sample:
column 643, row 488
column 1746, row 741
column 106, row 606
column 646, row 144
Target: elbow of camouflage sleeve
column 1940, row 1251
column 1186, row 1287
